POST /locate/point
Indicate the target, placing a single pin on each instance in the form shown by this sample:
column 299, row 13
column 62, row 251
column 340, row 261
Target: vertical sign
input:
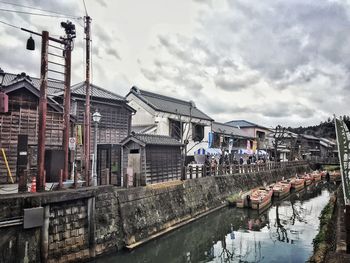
column 343, row 140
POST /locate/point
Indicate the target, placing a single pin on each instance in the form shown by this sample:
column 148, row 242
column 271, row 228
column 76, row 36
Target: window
column 197, row 132
column 174, row 129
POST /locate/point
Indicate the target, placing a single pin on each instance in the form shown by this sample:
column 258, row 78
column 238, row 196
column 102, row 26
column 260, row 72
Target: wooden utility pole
column 42, row 111
column 67, row 106
column 87, row 104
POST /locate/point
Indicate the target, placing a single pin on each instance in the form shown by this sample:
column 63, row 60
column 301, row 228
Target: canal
column 283, row 233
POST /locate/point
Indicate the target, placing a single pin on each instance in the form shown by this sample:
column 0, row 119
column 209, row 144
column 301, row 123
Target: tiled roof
column 56, row 88
column 311, row 137
column 142, row 128
column 52, row 86
column 150, row 139
column 244, row 124
column 95, row 91
column 227, row 129
column 169, row 104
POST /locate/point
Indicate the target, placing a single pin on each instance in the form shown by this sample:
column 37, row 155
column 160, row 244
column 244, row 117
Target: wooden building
column 224, row 135
column 114, row 126
column 152, row 158
column 22, row 118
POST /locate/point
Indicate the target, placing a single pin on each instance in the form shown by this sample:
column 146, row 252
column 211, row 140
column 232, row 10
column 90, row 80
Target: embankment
column 81, row 224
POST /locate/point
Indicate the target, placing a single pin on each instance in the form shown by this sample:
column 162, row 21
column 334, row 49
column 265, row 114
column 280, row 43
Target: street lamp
column 96, row 117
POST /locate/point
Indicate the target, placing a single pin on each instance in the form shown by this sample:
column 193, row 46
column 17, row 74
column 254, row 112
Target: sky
column 270, row 62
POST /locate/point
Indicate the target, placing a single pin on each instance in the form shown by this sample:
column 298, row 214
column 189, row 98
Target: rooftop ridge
column 152, row 94
column 82, row 83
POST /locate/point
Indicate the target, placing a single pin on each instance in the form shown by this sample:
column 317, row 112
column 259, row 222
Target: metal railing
column 198, row 171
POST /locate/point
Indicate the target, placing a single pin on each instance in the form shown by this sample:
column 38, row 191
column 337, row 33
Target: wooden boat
column 308, row 179
column 261, row 197
column 298, row 183
column 243, row 199
column 317, row 176
column 281, row 189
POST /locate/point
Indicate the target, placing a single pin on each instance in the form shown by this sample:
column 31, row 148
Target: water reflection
column 283, row 233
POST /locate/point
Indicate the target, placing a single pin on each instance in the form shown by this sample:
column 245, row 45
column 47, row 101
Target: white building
column 163, row 115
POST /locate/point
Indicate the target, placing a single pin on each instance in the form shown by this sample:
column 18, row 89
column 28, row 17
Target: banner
column 343, row 140
column 210, row 139
column 230, row 145
column 255, row 146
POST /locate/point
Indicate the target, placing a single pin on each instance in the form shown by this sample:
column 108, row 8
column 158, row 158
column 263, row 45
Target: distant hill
column 324, row 129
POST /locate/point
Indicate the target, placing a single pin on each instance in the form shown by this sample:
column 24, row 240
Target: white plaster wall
column 193, row 146
column 162, row 125
column 144, row 114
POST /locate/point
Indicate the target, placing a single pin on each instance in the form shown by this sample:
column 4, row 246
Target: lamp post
column 96, row 117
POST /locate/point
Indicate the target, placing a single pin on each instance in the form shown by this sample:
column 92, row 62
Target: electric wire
column 35, row 8
column 38, row 14
column 8, row 24
column 86, row 13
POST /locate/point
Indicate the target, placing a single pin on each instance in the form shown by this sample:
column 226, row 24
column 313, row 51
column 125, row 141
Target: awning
column 208, row 151
column 213, row 151
column 262, row 152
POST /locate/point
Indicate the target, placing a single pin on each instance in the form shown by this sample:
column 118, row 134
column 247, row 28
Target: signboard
column 343, row 140
column 72, row 142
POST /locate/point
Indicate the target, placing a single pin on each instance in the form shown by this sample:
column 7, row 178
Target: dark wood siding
column 163, row 163
column 22, row 118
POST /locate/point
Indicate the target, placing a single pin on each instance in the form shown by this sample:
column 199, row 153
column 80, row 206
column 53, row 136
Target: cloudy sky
column 271, row 62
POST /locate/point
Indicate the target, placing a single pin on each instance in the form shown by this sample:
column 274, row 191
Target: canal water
column 283, row 233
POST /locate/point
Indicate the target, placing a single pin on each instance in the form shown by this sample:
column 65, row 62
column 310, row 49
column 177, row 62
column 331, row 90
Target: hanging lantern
column 30, row 43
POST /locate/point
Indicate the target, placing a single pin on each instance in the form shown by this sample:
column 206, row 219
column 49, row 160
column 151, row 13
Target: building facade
column 163, row 115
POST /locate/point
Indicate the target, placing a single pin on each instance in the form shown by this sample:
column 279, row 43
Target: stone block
column 71, row 257
column 66, row 234
column 68, row 211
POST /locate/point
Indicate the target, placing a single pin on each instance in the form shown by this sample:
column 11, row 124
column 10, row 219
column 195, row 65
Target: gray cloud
column 102, row 3
column 113, row 52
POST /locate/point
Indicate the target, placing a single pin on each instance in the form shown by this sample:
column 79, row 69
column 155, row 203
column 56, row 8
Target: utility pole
column 40, row 180
column 69, row 28
column 88, row 179
column 67, row 106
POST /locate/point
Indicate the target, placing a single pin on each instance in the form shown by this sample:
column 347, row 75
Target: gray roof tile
column 169, row 104
column 227, row 129
column 151, row 139
column 56, row 88
column 243, row 124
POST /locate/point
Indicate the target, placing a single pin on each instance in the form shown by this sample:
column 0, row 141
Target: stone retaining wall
column 84, row 223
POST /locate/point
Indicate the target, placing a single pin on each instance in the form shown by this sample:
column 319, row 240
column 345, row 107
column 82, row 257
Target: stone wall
column 146, row 211
column 84, row 223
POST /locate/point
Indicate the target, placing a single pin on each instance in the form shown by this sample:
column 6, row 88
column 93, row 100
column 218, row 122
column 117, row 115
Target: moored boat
column 317, row 176
column 298, row 183
column 308, row 179
column 281, row 189
column 243, row 199
column 261, row 198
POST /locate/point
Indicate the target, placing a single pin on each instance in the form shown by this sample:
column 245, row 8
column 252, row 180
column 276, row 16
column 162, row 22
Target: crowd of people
column 211, row 162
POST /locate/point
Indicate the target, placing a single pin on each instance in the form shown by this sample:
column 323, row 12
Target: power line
column 37, row 14
column 35, row 8
column 2, row 22
column 86, row 13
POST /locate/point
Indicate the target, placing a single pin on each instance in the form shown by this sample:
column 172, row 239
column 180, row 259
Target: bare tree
column 279, row 136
